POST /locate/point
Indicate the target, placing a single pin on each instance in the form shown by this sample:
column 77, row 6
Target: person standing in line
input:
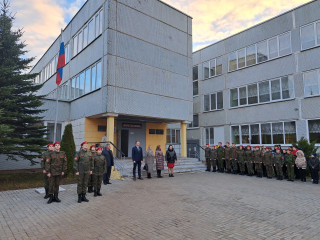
column 220, row 157
column 90, row 182
column 56, row 167
column 83, row 165
column 268, row 162
column 171, row 158
column 234, row 158
column 249, row 161
column 107, row 153
column 301, row 164
column 149, row 161
column 213, row 158
column 137, row 158
column 257, row 159
column 99, row 168
column 227, row 156
column 314, row 166
column 159, row 161
column 241, row 160
column 44, row 157
column 289, row 161
column 278, row 163
column 207, row 153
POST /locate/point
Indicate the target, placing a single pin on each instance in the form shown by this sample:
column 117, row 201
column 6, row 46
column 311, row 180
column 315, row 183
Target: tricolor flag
column 61, row 64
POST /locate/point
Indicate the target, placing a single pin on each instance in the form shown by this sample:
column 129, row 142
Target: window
column 73, row 87
column 284, row 44
column 311, row 83
column 206, row 67
column 88, row 81
column 206, row 103
column 99, row 75
column 252, row 94
column 277, row 133
column 195, row 73
column 67, row 52
column 235, row 134
column 251, row 55
column 209, row 135
column 264, row 92
column 213, row 101
column 243, row 95
column 234, row 97
column 275, row 89
column 219, row 65
column 266, row 133
column 314, row 130
column 213, row 105
column 91, row 31
column 262, row 51
column 75, row 45
column 213, row 68
column 220, row 100
column 101, row 21
column 97, row 25
column 232, row 61
column 173, row 136
column 80, row 41
column 93, row 78
column 290, row 132
column 195, row 122
column 273, row 48
column 308, row 38
column 245, row 136
column 195, row 80
column 318, row 33
column 287, row 87
column 77, row 87
column 81, row 86
column 255, row 133
column 241, row 58
column 85, row 36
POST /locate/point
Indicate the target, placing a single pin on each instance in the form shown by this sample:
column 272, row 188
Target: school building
column 262, row 85
column 127, row 75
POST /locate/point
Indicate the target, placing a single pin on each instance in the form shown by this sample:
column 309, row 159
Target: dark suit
column 110, row 162
column 137, row 157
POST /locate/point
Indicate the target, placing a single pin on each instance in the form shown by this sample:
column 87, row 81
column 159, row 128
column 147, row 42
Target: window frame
column 304, row 81
column 210, row 102
column 317, row 44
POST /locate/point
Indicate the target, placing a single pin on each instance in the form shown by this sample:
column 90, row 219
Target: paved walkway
column 188, row 206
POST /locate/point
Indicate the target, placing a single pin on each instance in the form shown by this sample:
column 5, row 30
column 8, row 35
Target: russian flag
column 61, row 64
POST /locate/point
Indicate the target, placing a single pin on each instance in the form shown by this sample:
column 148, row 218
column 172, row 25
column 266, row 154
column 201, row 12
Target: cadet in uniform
column 268, row 162
column 249, row 161
column 289, row 161
column 99, row 168
column 257, row 159
column 241, row 160
column 56, row 166
column 44, row 157
column 234, row 158
column 220, row 157
column 90, row 182
column 207, row 151
column 227, row 156
column 83, row 165
column 213, row 158
column 278, row 163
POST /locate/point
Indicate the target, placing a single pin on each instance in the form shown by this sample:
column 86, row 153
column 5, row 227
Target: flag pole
column 57, row 104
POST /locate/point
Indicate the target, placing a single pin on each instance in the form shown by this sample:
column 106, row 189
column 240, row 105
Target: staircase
column 182, row 165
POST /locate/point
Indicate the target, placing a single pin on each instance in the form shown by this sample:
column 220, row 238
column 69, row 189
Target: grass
column 14, row 180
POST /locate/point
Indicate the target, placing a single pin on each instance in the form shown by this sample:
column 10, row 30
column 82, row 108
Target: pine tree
column 69, row 147
column 24, row 128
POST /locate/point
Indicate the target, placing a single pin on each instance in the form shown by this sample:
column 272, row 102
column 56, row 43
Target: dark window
column 102, row 128
column 159, row 131
column 152, row 131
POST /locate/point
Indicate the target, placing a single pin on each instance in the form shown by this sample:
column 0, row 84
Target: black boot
column 56, row 199
column 214, row 170
column 79, row 198
column 50, row 198
column 149, row 175
column 47, row 194
column 95, row 193
column 90, row 189
column 84, row 199
column 98, row 193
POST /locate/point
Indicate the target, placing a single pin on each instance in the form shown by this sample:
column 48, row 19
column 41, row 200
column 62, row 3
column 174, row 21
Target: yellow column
column 183, row 138
column 110, row 130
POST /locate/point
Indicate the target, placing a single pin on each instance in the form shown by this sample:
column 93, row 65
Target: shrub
column 69, row 147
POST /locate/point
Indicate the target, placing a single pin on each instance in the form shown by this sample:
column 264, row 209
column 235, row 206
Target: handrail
column 196, row 145
column 109, row 142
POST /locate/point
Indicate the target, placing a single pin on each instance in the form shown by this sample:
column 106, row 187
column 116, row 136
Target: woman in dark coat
column 171, row 157
column 159, row 161
column 314, row 166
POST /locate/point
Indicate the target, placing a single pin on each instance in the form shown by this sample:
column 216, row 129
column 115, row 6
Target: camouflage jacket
column 278, row 159
column 249, row 157
column 234, row 153
column 56, row 163
column 227, row 152
column 289, row 159
column 207, row 151
column 267, row 158
column 241, row 156
column 44, row 157
column 257, row 156
column 99, row 164
column 83, row 161
column 220, row 152
column 213, row 154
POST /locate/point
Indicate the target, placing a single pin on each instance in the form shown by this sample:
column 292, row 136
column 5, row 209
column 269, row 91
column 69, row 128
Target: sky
column 213, row 20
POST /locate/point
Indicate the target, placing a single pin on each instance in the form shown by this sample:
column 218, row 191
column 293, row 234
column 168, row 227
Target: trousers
column 54, row 182
column 139, row 169
column 83, row 179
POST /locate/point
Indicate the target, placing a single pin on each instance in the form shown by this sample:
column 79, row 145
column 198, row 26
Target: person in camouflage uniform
column 90, row 182
column 207, row 151
column 241, row 160
column 249, row 161
column 56, row 165
column 289, row 162
column 44, row 157
column 234, row 158
column 213, row 158
column 257, row 159
column 83, row 165
column 268, row 162
column 220, row 157
column 99, row 168
column 278, row 162
column 227, row 156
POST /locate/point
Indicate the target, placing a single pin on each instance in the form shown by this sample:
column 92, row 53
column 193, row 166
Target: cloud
column 214, row 20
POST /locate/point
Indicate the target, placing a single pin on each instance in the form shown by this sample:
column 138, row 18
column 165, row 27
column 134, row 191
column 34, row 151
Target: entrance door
column 124, row 141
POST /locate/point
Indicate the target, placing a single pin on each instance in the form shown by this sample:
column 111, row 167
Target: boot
column 149, row 175
column 98, row 193
column 84, row 199
column 214, row 170
column 50, row 198
column 56, row 199
column 47, row 194
column 90, row 189
column 95, row 193
column 79, row 198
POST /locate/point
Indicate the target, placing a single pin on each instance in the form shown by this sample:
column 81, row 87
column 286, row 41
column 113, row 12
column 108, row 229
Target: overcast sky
column 213, row 20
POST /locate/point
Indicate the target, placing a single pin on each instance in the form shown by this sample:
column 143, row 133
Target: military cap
column 207, row 144
column 248, row 146
column 92, row 146
column 84, row 143
column 267, row 147
column 227, row 143
column 289, row 149
column 233, row 143
column 257, row 147
column 56, row 143
column 50, row 144
column 213, row 146
column 99, row 148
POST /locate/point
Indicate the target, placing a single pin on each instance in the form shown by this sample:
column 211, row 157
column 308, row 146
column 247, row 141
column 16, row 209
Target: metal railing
column 193, row 152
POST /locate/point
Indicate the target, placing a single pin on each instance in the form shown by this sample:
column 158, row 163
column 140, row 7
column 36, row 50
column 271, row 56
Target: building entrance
column 125, row 141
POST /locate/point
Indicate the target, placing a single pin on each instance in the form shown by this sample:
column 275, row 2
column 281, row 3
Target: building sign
column 132, row 125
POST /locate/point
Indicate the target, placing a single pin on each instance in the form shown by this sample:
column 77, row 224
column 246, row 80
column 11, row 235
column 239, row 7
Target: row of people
column 244, row 160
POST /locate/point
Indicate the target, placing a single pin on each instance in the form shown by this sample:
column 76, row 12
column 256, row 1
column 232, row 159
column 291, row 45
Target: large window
column 173, row 136
column 310, row 35
column 275, row 47
column 265, row 133
column 272, row 90
column 314, row 130
column 195, row 81
column 195, row 121
column 209, row 135
column 311, row 83
column 212, row 68
column 213, row 101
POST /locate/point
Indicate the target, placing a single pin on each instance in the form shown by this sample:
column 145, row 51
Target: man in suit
column 107, row 153
column 137, row 157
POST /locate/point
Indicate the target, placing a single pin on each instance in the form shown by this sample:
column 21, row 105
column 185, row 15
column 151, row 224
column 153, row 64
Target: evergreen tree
column 20, row 106
column 307, row 148
column 69, row 147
